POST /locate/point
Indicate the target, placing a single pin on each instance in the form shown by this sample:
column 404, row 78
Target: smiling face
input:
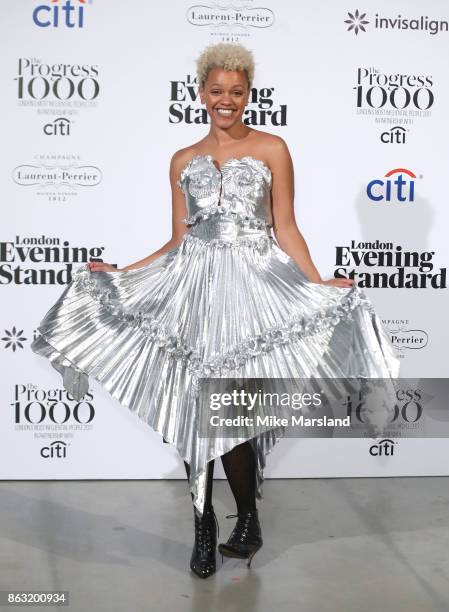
column 225, row 94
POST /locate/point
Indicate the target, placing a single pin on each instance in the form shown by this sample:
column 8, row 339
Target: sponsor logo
column 38, row 82
column 380, row 264
column 404, row 337
column 230, row 20
column 395, row 135
column 358, row 22
column 394, row 101
column 384, row 448
column 60, row 14
column 55, row 450
column 262, row 109
column 42, row 260
column 72, row 176
column 58, row 127
column 14, row 339
column 398, row 185
column 52, row 415
column 57, row 178
column 409, row 339
column 375, row 90
column 48, row 407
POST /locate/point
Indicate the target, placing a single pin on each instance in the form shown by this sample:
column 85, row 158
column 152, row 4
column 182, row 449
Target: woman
column 220, row 298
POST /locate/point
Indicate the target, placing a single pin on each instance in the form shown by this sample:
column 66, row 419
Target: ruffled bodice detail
column 240, row 190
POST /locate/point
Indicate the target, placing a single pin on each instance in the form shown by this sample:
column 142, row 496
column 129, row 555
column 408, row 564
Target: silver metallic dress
column 226, row 302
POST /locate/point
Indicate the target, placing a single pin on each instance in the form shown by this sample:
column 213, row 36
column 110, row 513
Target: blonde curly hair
column 229, row 56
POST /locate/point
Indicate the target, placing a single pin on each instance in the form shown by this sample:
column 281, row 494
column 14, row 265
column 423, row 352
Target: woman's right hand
column 99, row 266
column 338, row 282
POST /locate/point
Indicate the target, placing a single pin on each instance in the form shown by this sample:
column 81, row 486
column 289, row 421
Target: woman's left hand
column 100, row 266
column 338, row 282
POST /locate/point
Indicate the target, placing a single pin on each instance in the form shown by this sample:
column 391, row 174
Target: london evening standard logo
column 384, row 265
column 60, row 14
column 230, row 19
column 397, row 186
column 42, row 260
column 358, row 21
column 263, row 108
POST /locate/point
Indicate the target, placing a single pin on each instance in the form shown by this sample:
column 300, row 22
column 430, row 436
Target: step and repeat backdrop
column 98, row 95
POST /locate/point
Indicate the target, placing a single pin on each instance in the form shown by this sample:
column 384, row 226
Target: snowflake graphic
column 357, row 22
column 14, row 338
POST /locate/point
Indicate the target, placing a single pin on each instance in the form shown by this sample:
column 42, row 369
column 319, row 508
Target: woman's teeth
column 226, row 112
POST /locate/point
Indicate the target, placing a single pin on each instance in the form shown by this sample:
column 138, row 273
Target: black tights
column 239, row 465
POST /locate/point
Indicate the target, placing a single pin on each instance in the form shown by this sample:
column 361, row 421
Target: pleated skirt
column 208, row 308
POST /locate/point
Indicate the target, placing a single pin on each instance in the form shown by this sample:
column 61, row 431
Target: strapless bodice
column 235, row 199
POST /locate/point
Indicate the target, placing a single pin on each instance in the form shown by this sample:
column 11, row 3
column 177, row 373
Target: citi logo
column 384, row 448
column 58, row 127
column 56, row 450
column 395, row 135
column 56, row 14
column 397, row 185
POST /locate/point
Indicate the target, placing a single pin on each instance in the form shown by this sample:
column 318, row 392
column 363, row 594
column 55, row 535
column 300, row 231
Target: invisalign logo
column 357, row 22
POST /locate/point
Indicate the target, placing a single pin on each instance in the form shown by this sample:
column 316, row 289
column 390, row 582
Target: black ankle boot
column 203, row 560
column 246, row 537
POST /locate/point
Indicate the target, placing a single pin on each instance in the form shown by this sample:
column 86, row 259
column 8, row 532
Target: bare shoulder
column 274, row 145
column 271, row 147
column 181, row 157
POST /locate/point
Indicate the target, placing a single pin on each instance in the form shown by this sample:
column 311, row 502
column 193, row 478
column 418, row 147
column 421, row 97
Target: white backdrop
column 93, row 108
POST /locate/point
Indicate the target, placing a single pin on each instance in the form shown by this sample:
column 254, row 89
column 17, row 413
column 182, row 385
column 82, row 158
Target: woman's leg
column 203, row 560
column 246, row 537
column 209, row 482
column 240, row 468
